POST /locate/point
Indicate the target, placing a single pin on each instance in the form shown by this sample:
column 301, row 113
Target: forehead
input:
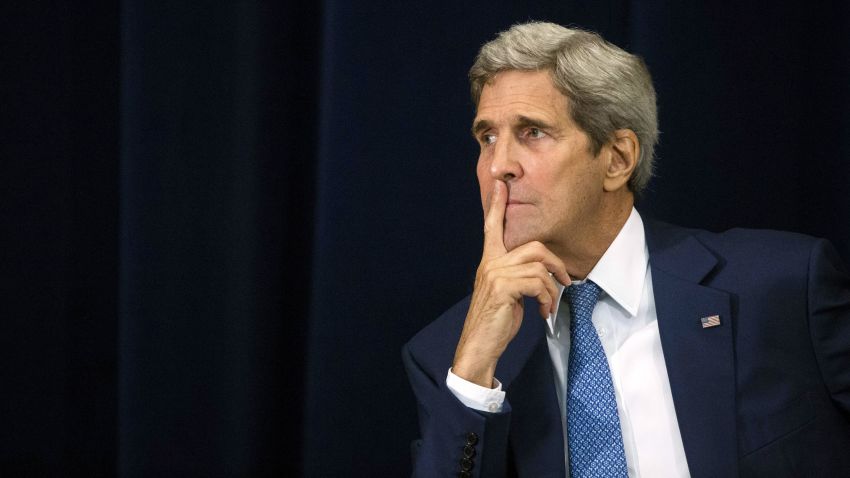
column 521, row 93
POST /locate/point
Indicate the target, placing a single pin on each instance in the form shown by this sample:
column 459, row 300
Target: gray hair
column 607, row 88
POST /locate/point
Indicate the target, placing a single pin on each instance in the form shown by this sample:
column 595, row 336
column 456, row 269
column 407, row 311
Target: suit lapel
column 700, row 361
column 525, row 369
column 531, row 335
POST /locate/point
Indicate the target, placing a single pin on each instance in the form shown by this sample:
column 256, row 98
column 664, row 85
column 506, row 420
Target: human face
column 529, row 141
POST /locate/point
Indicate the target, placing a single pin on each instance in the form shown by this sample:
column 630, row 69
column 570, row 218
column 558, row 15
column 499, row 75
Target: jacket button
column 471, row 438
column 465, row 464
column 468, row 451
column 464, row 474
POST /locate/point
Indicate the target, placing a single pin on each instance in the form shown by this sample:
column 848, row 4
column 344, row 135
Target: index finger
column 494, row 221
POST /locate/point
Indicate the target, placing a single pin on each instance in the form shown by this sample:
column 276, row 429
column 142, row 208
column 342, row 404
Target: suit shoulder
column 743, row 237
column 759, row 244
column 765, row 240
column 753, row 254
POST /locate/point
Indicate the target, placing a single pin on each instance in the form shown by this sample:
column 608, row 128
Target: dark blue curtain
column 222, row 221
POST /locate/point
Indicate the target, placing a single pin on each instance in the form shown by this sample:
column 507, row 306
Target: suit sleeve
column 829, row 321
column 455, row 440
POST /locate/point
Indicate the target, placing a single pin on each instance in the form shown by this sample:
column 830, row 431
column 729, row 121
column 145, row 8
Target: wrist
column 481, row 374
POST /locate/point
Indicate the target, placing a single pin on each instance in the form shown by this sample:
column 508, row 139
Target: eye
column 488, row 138
column 535, row 133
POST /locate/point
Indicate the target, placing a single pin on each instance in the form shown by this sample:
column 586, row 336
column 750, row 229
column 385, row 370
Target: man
column 671, row 352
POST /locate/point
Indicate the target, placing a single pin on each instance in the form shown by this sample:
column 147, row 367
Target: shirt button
column 602, row 331
column 493, row 407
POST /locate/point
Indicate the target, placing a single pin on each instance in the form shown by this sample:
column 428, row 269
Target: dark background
column 221, row 221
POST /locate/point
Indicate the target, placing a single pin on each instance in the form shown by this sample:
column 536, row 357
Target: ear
column 623, row 154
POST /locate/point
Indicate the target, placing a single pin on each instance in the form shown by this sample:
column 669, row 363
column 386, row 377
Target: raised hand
column 502, row 280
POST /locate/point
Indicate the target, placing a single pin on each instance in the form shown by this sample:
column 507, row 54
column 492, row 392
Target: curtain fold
column 218, row 122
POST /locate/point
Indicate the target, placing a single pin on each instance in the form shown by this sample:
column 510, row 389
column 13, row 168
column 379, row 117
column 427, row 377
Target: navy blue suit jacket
column 766, row 393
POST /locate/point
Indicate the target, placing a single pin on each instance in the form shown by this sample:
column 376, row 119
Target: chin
column 512, row 241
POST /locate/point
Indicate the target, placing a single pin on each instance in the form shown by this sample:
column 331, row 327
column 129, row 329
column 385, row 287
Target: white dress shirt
column 627, row 325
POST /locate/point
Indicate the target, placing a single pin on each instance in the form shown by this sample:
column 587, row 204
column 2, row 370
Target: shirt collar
column 621, row 271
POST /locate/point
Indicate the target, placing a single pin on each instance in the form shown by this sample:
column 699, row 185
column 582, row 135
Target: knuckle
column 540, row 269
column 498, row 285
column 485, row 267
column 542, row 285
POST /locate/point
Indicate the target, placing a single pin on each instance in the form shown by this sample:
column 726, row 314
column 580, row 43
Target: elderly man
column 670, row 352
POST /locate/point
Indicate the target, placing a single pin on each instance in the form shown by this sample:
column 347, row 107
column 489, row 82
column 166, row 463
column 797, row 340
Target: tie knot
column 582, row 298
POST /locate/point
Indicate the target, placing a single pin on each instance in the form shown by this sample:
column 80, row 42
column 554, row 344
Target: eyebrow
column 524, row 121
column 520, row 121
column 479, row 126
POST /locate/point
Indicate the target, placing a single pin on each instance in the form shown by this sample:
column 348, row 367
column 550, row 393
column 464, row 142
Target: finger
column 531, row 270
column 536, row 252
column 494, row 222
column 536, row 287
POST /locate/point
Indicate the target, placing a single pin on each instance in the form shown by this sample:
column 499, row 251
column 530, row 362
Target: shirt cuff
column 475, row 396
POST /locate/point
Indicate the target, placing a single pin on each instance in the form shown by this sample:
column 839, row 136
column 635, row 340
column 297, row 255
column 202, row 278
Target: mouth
column 515, row 209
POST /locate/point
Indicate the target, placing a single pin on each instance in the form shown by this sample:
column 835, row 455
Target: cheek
column 481, row 168
column 560, row 190
column 485, row 182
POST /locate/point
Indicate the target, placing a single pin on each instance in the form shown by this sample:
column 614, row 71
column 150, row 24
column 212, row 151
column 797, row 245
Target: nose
column 505, row 165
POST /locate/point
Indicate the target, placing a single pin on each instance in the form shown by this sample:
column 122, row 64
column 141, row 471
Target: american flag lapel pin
column 712, row 321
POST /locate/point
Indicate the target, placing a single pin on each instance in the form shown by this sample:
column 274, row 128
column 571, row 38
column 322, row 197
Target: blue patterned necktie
column 593, row 426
